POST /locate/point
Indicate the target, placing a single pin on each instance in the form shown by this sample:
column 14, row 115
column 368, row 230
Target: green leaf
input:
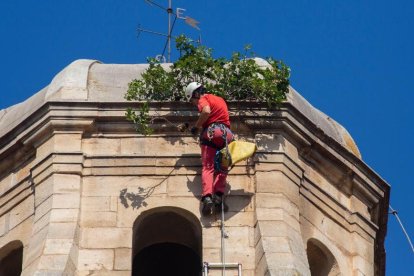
column 236, row 79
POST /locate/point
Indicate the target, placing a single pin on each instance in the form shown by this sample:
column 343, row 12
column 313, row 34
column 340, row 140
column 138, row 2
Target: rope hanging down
column 223, row 236
column 395, row 213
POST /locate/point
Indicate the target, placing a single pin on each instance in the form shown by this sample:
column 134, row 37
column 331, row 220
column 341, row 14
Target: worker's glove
column 194, row 130
column 183, row 127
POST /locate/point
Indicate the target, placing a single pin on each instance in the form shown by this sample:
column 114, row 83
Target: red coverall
column 212, row 181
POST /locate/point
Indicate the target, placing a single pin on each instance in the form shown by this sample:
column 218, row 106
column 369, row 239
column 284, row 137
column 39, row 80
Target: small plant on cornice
column 140, row 120
column 238, row 79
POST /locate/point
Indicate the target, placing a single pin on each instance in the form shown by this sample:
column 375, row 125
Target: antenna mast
column 178, row 14
column 169, row 10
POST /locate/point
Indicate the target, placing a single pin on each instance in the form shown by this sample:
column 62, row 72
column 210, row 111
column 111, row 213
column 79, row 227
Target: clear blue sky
column 351, row 59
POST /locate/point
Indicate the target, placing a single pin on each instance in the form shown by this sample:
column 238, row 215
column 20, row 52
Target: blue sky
column 351, row 59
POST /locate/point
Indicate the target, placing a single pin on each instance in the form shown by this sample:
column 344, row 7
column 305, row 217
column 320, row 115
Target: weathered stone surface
column 240, row 184
column 98, row 219
column 64, row 215
column 61, row 230
column 127, row 214
column 96, row 259
column 276, row 245
column 6, row 183
column 4, row 227
column 277, row 182
column 63, row 201
column 360, row 207
column 105, row 237
column 14, row 179
column 276, row 200
column 57, row 246
column 285, row 262
column 89, row 180
column 184, row 186
column 269, row 214
column 65, row 183
column 237, row 237
column 324, row 185
column 239, row 218
column 96, row 203
column 270, row 143
column 123, row 257
column 36, row 245
column 61, row 142
column 113, row 186
column 362, row 266
column 246, row 257
column 363, row 248
column 104, row 272
column 52, row 262
column 240, row 203
column 261, row 266
column 21, row 212
column 102, row 146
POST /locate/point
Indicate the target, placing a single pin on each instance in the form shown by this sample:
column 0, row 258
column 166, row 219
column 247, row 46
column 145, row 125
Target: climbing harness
column 210, row 135
column 223, row 153
column 232, row 152
column 220, row 150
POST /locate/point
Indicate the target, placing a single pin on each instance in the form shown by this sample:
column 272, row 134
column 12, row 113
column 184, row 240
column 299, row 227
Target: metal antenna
column 179, row 14
column 169, row 10
column 168, row 42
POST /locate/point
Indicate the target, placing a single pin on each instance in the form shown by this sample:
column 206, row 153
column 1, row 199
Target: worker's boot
column 208, row 206
column 219, row 203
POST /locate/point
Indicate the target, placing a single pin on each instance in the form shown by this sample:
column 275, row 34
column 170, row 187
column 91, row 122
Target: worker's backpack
column 233, row 153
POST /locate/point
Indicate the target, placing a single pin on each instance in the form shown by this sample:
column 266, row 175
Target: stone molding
column 288, row 146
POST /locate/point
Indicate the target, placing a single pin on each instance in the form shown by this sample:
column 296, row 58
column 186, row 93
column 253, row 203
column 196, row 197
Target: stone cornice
column 344, row 169
column 247, row 118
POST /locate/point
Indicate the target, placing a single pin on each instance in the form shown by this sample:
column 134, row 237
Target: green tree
column 238, row 79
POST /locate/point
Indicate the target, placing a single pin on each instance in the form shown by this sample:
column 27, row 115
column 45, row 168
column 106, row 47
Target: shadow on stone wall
column 236, row 200
column 137, row 199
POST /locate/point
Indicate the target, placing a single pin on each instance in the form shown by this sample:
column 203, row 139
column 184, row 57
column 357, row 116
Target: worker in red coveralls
column 214, row 124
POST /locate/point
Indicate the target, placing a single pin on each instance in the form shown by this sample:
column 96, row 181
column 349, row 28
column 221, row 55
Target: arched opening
column 167, row 241
column 321, row 261
column 11, row 259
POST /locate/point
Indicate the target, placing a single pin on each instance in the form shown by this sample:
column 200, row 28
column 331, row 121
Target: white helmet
column 191, row 87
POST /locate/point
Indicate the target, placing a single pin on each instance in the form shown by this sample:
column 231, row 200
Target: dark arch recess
column 167, row 241
column 321, row 261
column 11, row 259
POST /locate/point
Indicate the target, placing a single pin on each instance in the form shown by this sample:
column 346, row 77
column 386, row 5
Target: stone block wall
column 76, row 190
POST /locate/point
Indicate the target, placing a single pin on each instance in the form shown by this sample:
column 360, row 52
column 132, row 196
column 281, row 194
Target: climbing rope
column 223, row 236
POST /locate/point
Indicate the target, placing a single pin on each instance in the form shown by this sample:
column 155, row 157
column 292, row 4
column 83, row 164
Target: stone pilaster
column 279, row 245
column 56, row 180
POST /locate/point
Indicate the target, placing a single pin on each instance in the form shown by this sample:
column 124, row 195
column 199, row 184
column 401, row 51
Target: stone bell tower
column 81, row 193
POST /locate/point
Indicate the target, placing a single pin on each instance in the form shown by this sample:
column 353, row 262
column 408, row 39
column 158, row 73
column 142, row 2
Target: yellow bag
column 238, row 151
